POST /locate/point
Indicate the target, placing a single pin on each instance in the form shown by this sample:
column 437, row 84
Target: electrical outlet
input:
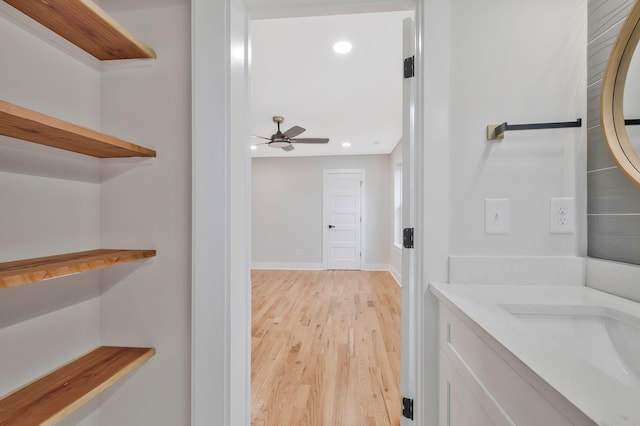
column 496, row 216
column 562, row 215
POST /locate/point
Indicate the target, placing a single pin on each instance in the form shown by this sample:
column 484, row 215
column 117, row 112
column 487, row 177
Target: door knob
column 331, row 226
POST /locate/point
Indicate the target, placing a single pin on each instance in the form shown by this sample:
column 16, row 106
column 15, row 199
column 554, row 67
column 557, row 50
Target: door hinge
column 407, row 238
column 409, row 67
column 407, row 408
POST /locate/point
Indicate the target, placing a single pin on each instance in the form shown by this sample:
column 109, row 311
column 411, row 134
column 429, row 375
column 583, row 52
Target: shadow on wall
column 24, row 302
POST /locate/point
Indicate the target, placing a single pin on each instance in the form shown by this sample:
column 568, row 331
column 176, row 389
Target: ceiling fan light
column 346, row 144
column 279, row 144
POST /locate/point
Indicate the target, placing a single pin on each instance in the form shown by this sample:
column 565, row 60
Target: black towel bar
column 496, row 131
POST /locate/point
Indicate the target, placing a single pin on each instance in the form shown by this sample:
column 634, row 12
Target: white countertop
column 602, row 398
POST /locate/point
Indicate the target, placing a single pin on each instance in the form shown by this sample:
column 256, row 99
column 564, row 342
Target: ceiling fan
column 286, row 139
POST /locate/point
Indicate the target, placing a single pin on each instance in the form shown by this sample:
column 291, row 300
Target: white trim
column 288, row 266
column 363, row 215
column 264, row 10
column 432, row 190
column 384, row 267
column 376, row 267
column 239, row 351
column 299, row 266
column 396, row 275
column 517, row 270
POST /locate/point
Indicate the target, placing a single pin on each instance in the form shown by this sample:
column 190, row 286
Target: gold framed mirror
column 612, row 103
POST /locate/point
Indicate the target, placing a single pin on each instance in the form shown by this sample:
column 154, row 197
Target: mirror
column 631, row 102
column 623, row 141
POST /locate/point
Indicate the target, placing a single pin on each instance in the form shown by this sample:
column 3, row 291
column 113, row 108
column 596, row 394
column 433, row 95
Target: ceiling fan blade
column 310, row 140
column 261, row 137
column 288, row 148
column 293, row 132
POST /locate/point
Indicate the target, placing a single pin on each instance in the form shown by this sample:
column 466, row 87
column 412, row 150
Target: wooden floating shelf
column 85, row 24
column 55, row 396
column 21, row 272
column 21, row 123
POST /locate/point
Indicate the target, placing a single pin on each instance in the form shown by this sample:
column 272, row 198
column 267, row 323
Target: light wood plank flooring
column 325, row 348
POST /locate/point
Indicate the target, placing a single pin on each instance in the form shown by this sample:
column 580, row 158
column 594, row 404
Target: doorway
column 287, row 198
column 221, row 353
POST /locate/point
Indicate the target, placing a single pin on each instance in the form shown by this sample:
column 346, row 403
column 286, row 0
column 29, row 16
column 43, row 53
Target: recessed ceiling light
column 342, row 47
column 253, row 147
column 346, row 144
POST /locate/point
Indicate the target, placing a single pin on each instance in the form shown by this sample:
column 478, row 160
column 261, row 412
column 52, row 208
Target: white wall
column 487, row 62
column 50, row 205
column 521, row 62
column 287, row 209
column 149, row 206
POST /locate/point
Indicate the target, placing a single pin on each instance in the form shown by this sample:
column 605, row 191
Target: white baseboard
column 621, row 279
column 517, row 270
column 396, row 275
column 319, row 267
column 384, row 267
column 288, row 266
column 376, row 267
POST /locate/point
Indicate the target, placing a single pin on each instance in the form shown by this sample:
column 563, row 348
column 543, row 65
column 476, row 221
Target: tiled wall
column 613, row 201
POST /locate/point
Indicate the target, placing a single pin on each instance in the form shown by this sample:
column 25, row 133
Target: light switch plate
column 496, row 216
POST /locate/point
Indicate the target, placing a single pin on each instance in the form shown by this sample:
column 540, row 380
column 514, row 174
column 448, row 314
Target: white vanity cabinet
column 482, row 383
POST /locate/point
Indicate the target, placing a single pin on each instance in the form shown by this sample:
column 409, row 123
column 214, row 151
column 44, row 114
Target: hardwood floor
column 325, row 348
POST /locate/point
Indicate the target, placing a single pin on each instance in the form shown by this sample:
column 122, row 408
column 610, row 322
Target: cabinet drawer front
column 488, row 375
column 460, row 402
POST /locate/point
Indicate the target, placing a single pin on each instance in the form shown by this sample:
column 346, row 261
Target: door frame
column 409, row 368
column 214, row 315
column 325, row 219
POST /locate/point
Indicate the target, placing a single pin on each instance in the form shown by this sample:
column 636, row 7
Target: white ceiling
column 296, row 74
column 355, row 97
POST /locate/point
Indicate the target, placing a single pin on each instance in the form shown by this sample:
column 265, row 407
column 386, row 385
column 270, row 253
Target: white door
column 409, row 296
column 343, row 218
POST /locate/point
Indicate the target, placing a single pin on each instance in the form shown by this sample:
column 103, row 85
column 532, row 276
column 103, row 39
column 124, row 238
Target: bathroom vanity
column 537, row 355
